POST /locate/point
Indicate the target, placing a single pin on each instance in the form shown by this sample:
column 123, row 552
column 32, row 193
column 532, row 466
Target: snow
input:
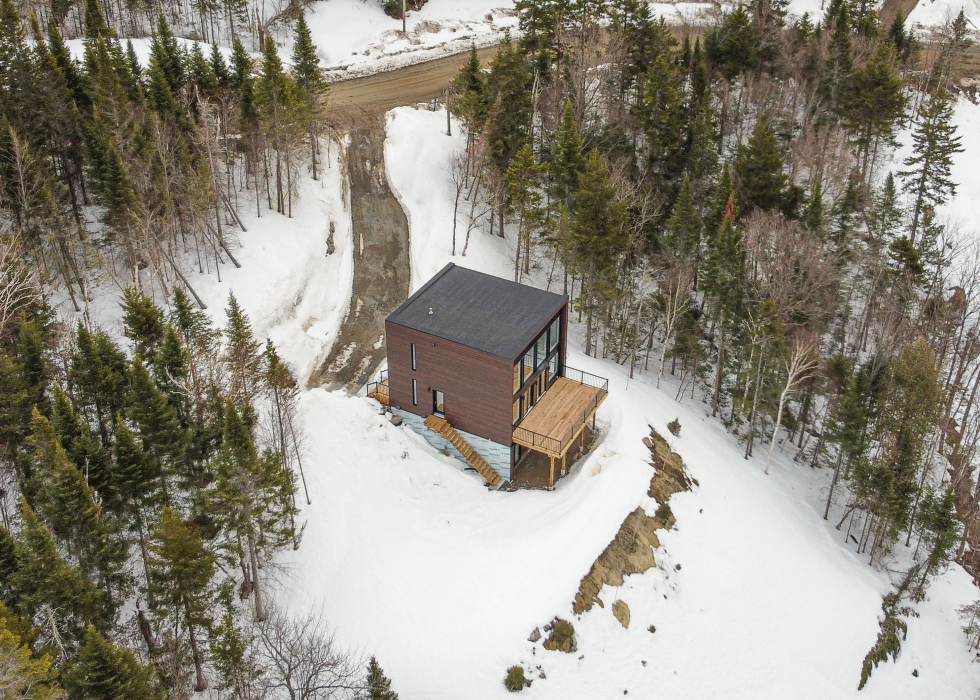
column 294, row 293
column 815, row 8
column 413, row 560
column 935, row 13
column 356, row 37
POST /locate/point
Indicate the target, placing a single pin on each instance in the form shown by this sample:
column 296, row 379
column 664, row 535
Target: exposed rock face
column 631, row 551
column 621, row 611
column 535, row 636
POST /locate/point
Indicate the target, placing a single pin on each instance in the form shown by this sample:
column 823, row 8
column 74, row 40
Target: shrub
column 515, row 680
column 562, row 637
column 664, row 514
column 674, row 427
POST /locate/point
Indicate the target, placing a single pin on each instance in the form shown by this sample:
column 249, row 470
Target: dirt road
column 379, row 226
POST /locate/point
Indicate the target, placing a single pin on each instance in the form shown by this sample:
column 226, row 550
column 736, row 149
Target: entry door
column 438, row 402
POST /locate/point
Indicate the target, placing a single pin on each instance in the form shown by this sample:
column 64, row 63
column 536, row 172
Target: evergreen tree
column 218, row 67
column 378, row 685
column 314, row 88
column 143, row 321
column 252, row 497
column 43, row 578
column 875, row 103
column 181, row 570
column 733, row 47
column 837, row 72
column 885, row 217
column 702, row 156
column 759, row 170
column 106, row 671
column 683, row 235
column 241, row 354
column 468, row 86
column 508, row 94
column 813, row 217
column 149, row 409
column 724, row 196
column 26, row 674
column 523, row 178
column 927, row 180
column 567, row 159
column 661, row 114
column 68, row 505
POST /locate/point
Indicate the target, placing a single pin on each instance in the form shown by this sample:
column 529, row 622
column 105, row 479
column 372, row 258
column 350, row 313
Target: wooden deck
column 558, row 419
column 561, row 408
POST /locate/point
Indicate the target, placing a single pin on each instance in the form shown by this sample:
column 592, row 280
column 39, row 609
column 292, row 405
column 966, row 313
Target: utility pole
column 404, row 30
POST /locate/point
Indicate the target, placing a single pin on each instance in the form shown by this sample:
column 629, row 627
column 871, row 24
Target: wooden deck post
column 551, row 482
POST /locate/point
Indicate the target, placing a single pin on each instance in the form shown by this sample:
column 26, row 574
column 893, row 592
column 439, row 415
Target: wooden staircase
column 443, row 427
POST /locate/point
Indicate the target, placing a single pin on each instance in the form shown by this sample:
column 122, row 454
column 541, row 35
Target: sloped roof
column 479, row 311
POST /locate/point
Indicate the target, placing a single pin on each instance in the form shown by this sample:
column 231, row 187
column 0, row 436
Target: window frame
column 415, row 364
column 415, row 392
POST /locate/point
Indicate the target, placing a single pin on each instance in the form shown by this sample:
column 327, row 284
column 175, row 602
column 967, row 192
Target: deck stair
column 444, row 428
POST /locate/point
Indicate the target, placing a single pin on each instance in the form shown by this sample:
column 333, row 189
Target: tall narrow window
column 415, row 392
column 414, row 363
column 528, row 365
column 554, row 334
column 541, row 349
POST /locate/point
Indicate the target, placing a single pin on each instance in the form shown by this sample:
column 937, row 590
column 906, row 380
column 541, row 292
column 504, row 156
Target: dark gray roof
column 478, row 310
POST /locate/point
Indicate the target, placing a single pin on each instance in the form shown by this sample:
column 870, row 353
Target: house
column 476, row 364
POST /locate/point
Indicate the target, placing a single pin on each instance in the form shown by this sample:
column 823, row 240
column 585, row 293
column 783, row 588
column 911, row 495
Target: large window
column 541, row 349
column 554, row 334
column 544, row 351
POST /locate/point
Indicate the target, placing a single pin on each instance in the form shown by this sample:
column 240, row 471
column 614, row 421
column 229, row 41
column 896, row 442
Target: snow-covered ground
column 413, row 560
column 356, row 37
column 291, row 289
column 935, row 13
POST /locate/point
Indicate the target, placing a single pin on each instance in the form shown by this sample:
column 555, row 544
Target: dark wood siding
column 477, row 385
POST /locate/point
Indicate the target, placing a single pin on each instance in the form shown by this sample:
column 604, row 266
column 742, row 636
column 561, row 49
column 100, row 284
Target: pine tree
column 661, row 114
column 837, row 81
column 26, row 674
column 149, row 408
column 200, row 71
column 523, row 178
column 83, row 448
column 468, row 85
column 219, row 67
column 813, row 217
column 723, row 195
column 598, row 235
column 106, row 671
column 43, row 578
column 875, row 103
column 927, row 180
column 181, row 573
column 567, row 159
column 885, row 217
column 734, row 46
column 378, row 685
column 241, row 354
column 508, row 94
column 683, row 235
column 759, row 170
column 143, row 321
column 252, row 497
column 68, row 505
column 314, row 88
column 702, row 156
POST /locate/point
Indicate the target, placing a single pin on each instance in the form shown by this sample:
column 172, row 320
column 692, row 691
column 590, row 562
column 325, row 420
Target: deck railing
column 557, row 445
column 379, row 389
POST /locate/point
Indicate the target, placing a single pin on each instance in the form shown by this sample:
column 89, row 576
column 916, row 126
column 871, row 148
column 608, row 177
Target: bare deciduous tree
column 303, row 662
column 799, row 364
column 19, row 283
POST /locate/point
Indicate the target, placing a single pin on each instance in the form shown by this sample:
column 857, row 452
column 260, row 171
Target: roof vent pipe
column 430, row 311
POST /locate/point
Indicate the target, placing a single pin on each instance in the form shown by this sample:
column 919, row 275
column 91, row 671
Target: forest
column 721, row 204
